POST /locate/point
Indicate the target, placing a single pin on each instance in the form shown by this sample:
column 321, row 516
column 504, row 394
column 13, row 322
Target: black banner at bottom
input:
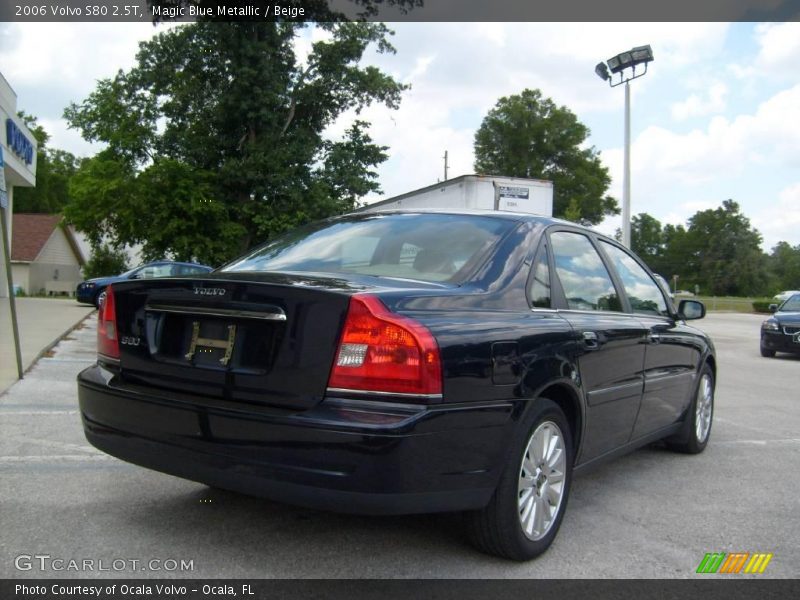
column 364, row 589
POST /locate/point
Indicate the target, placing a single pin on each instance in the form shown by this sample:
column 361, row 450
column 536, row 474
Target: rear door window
column 583, row 276
column 539, row 284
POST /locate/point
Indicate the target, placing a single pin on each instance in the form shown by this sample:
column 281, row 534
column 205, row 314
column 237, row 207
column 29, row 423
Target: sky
column 717, row 116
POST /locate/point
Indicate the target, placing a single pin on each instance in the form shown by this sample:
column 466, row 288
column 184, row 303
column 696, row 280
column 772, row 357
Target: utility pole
column 626, row 175
column 641, row 55
column 445, row 165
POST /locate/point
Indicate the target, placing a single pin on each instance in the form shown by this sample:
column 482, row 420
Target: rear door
column 610, row 342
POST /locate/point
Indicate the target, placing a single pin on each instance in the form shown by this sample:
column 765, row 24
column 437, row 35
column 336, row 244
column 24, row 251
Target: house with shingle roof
column 45, row 255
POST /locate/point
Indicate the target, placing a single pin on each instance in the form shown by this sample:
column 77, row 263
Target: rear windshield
column 425, row 247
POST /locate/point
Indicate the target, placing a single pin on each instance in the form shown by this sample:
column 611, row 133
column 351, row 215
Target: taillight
column 380, row 351
column 107, row 342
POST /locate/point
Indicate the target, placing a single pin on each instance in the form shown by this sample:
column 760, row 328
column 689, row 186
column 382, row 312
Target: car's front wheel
column 100, row 298
column 766, row 352
column 523, row 517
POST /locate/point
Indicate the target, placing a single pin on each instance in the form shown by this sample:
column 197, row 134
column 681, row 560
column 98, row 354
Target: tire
column 696, row 431
column 99, row 297
column 528, row 484
column 767, row 353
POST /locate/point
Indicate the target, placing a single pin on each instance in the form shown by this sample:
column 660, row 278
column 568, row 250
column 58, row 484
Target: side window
column 583, row 276
column 190, row 270
column 155, row 271
column 539, row 291
column 643, row 292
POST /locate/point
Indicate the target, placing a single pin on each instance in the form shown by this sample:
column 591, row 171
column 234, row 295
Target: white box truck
column 489, row 192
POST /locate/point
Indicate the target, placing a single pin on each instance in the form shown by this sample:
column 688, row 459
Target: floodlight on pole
column 617, row 65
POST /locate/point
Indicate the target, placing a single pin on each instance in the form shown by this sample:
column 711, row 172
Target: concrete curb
column 47, row 349
column 55, row 342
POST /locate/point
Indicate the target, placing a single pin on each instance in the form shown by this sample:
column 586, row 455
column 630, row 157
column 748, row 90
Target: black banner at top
column 399, row 10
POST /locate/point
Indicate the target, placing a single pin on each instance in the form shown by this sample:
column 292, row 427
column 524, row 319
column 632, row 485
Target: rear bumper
column 780, row 342
column 343, row 455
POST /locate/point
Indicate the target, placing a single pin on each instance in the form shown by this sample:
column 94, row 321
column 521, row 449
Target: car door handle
column 590, row 340
column 654, row 338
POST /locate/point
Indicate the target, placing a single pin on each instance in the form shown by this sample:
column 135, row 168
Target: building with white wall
column 18, row 147
column 45, row 255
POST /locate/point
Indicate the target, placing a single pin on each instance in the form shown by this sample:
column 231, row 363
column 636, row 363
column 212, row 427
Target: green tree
column 676, row 258
column 105, row 261
column 725, row 252
column 216, row 140
column 784, row 263
column 527, row 135
column 647, row 238
column 54, row 169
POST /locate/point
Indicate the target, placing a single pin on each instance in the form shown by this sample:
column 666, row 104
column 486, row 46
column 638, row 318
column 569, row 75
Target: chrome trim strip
column 614, row 388
column 277, row 315
column 383, row 394
column 380, row 406
column 667, row 376
column 610, row 313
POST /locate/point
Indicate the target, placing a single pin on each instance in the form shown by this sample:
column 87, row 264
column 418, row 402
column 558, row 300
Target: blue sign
column 3, row 195
column 17, row 142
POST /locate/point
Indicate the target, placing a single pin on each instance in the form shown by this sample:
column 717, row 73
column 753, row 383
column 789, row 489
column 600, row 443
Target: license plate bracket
column 201, row 344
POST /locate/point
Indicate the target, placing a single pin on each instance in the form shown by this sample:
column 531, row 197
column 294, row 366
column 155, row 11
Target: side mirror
column 773, row 308
column 689, row 310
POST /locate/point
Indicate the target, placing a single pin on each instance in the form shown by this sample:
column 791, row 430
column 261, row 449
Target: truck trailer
column 488, row 192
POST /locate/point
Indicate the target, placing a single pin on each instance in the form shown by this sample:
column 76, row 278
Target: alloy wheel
column 704, row 408
column 540, row 491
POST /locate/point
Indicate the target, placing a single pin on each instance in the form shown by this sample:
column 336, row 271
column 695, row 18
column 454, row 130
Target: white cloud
column 697, row 105
column 781, row 220
column 729, row 147
column 63, row 63
column 676, row 174
column 780, row 48
column 458, row 71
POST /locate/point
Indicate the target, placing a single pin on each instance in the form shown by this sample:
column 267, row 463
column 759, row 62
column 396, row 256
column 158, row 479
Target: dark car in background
column 781, row 332
column 404, row 362
column 92, row 291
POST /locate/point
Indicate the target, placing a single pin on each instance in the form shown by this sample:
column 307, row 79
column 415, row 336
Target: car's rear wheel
column 693, row 438
column 523, row 517
column 767, row 353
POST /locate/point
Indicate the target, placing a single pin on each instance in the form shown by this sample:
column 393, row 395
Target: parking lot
column 650, row 514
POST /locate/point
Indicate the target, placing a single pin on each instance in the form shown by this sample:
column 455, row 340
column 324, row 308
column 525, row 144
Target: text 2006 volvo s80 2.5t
column 403, row 362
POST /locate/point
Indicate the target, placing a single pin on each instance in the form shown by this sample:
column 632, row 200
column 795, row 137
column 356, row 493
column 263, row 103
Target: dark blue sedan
column 92, row 291
column 406, row 362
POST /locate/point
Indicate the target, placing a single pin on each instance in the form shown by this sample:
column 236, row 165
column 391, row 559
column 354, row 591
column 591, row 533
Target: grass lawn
column 728, row 303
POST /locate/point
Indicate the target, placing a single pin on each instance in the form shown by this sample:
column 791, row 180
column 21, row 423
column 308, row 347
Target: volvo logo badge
column 203, row 291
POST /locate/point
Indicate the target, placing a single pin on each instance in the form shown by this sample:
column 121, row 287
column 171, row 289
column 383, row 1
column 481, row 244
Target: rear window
column 425, row 247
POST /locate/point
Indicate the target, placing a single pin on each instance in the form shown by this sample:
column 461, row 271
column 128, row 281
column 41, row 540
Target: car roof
column 171, row 262
column 495, row 214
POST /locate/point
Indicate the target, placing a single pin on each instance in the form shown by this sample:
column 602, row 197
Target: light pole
column 641, row 55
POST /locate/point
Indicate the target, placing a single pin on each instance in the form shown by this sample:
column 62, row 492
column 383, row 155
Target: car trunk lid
column 265, row 340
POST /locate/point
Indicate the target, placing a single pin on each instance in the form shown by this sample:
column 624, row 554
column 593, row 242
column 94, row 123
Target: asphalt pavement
column 650, row 514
